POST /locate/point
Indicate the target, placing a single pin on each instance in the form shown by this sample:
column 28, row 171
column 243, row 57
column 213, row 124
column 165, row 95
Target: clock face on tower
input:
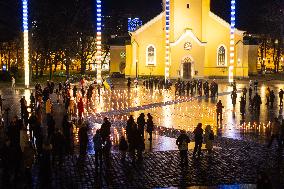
column 187, row 46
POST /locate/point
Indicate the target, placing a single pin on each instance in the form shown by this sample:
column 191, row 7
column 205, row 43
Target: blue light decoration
column 167, row 44
column 232, row 41
column 99, row 41
column 4, row 67
column 134, row 24
column 26, row 42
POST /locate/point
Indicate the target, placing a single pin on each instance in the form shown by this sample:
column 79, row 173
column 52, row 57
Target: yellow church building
column 198, row 46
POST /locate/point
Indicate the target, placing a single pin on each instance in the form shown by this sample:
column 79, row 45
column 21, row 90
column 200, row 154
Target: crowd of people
column 35, row 135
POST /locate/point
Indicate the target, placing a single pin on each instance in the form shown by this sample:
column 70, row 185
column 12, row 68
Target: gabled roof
column 224, row 23
column 160, row 16
column 188, row 32
column 148, row 24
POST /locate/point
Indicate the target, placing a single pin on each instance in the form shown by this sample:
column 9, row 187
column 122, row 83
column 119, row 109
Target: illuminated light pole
column 99, row 42
column 26, row 42
column 167, row 45
column 232, row 41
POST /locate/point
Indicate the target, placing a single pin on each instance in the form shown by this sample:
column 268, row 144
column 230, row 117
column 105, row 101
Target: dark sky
column 248, row 12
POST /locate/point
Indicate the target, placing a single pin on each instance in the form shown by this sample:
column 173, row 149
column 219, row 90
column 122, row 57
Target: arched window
column 222, row 56
column 151, row 55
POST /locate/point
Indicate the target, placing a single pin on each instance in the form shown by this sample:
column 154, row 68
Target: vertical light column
column 167, row 44
column 26, row 42
column 99, row 42
column 232, row 41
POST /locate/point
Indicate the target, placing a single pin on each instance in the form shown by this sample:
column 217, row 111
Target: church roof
column 148, row 24
column 160, row 16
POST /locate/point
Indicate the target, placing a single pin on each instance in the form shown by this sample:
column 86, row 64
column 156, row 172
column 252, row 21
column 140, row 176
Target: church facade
column 199, row 45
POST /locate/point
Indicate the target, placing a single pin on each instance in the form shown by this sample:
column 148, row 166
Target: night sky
column 248, row 12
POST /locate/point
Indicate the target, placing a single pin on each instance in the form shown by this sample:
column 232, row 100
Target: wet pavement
column 239, row 152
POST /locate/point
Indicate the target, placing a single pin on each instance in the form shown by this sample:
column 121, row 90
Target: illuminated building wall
column 26, row 42
column 232, row 41
column 167, row 30
column 134, row 24
column 99, row 42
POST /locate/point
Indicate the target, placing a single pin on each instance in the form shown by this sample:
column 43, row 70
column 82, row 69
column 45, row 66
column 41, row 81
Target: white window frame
column 226, row 56
column 155, row 56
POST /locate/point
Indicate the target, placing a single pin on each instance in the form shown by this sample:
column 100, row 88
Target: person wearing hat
column 150, row 126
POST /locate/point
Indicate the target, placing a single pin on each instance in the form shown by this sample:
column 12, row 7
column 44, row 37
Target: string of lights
column 99, row 42
column 167, row 30
column 232, row 41
column 26, row 42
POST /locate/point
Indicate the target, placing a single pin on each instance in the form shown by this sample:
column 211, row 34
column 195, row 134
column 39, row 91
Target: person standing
column 281, row 93
column 98, row 145
column 28, row 160
column 234, row 98
column 198, row 137
column 209, row 138
column 141, row 124
column 80, row 108
column 150, row 126
column 267, row 95
column 13, row 82
column 105, row 129
column 272, row 98
column 250, row 93
column 1, row 104
column 130, row 133
column 128, row 83
column 245, row 93
column 182, row 143
column 48, row 107
column 255, row 85
column 123, row 146
column 243, row 107
column 219, row 110
column 275, row 133
column 83, row 139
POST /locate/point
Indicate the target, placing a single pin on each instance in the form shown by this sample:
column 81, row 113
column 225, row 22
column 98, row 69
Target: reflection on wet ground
column 169, row 111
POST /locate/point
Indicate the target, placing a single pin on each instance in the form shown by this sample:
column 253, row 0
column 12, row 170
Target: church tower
column 188, row 14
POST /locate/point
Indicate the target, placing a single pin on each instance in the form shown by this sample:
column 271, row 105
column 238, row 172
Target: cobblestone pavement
column 232, row 162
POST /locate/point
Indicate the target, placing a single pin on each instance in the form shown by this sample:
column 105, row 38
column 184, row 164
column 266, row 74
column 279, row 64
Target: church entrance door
column 187, row 70
column 187, row 67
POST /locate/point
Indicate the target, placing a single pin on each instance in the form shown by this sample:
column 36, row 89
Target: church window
column 188, row 6
column 151, row 55
column 221, row 56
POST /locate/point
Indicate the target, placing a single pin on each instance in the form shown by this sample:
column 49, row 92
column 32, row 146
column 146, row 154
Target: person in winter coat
column 275, row 133
column 28, row 160
column 48, row 107
column 80, row 108
column 98, row 146
column 50, row 126
column 105, row 129
column 24, row 138
column 182, row 143
column 209, row 138
column 198, row 137
column 83, row 139
column 150, row 126
column 141, row 124
column 123, row 147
